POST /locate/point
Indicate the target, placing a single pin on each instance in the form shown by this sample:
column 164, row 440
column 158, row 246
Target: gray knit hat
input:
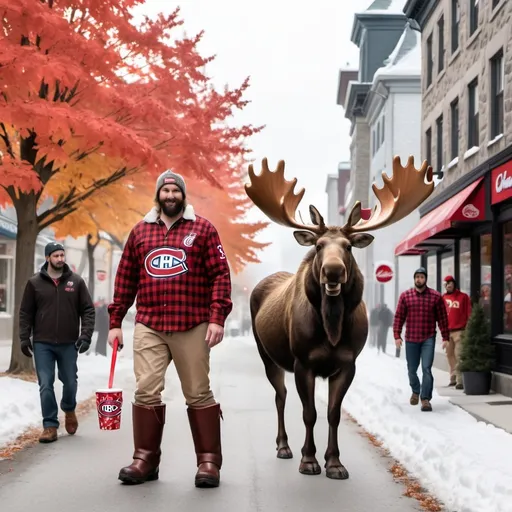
column 170, row 178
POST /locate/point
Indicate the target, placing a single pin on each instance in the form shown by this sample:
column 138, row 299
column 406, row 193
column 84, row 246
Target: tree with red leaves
column 90, row 100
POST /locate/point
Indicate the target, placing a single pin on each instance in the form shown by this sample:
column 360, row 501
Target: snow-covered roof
column 405, row 59
column 386, row 7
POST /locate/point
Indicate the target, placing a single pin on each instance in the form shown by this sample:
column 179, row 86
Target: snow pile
column 463, row 462
column 20, row 407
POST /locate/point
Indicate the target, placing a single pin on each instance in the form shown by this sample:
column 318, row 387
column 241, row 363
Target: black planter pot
column 477, row 383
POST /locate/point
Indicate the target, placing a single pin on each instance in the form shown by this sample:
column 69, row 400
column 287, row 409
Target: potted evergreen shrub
column 477, row 354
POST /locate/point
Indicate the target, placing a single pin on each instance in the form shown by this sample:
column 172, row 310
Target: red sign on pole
column 383, row 273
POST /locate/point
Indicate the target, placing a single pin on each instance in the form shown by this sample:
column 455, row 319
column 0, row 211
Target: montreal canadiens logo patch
column 166, row 262
column 110, row 408
column 188, row 241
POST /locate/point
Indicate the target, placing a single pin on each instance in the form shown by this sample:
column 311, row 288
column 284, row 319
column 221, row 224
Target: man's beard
column 172, row 207
column 57, row 268
column 420, row 286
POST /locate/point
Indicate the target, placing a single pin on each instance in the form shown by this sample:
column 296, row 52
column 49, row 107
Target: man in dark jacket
column 54, row 303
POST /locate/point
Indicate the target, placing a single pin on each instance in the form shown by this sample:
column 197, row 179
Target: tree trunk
column 83, row 260
column 28, row 230
column 90, row 256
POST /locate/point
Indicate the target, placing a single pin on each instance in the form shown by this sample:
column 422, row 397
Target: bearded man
column 56, row 324
column 174, row 263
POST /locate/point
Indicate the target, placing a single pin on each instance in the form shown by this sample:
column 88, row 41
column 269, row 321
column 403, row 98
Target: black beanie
column 52, row 247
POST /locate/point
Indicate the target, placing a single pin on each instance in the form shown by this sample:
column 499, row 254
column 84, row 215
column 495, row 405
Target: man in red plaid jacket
column 173, row 261
column 420, row 308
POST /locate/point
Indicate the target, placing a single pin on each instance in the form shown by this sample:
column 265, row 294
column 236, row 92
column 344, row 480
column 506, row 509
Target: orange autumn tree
column 89, row 100
column 116, row 209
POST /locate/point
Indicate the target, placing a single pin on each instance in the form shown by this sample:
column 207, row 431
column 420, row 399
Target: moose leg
column 275, row 375
column 305, row 382
column 338, row 387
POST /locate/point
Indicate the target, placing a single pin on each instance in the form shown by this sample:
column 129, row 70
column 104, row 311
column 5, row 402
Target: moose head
column 400, row 195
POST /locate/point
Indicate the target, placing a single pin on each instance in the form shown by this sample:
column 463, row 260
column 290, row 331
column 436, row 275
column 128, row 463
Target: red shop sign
column 383, row 273
column 501, row 183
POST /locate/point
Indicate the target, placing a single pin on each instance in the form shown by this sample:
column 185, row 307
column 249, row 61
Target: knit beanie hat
column 421, row 270
column 170, row 178
column 52, row 247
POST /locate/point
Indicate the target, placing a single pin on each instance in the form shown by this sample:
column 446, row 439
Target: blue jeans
column 424, row 351
column 45, row 357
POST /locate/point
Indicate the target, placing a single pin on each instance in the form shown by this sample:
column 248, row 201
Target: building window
column 473, row 16
column 440, row 44
column 6, row 277
column 439, row 144
column 455, row 25
column 454, row 114
column 495, row 3
column 373, row 142
column 507, row 277
column 382, row 132
column 432, row 271
column 473, row 120
column 428, row 146
column 465, row 265
column 5, row 284
column 485, row 273
column 430, row 60
column 497, row 78
column 447, row 265
column 378, row 135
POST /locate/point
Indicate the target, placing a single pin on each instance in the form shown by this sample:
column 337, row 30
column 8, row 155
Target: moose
column 314, row 323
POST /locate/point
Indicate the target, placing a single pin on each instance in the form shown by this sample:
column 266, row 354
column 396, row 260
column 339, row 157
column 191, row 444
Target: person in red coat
column 174, row 264
column 458, row 305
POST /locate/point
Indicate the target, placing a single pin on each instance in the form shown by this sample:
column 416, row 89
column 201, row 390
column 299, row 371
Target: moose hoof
column 309, row 468
column 284, row 453
column 336, row 472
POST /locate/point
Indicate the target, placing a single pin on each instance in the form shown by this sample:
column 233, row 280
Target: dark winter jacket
column 51, row 312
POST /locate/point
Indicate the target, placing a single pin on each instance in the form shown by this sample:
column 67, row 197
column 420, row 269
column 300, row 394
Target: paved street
column 80, row 473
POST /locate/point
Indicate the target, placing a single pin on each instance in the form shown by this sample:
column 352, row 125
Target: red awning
column 466, row 206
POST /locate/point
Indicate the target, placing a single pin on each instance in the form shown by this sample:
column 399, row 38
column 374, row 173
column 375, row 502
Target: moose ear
column 316, row 218
column 305, row 237
column 361, row 240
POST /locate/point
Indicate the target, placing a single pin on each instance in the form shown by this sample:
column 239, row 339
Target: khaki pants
column 453, row 354
column 152, row 353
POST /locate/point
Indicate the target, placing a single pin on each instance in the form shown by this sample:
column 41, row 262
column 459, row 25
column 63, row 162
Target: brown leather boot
column 71, row 423
column 205, row 427
column 148, row 428
column 49, row 435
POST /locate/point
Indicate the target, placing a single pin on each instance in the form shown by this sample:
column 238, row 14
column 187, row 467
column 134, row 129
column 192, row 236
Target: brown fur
column 299, row 328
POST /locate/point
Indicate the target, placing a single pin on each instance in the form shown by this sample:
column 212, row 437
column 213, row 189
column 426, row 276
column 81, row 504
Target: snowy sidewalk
column 464, row 462
column 20, row 407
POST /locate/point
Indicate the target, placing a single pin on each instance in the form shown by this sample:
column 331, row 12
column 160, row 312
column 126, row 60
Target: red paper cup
column 109, row 404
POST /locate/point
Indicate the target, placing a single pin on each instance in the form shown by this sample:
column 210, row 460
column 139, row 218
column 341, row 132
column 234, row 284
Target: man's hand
column 398, row 342
column 26, row 348
column 214, row 334
column 112, row 335
column 445, row 344
column 82, row 344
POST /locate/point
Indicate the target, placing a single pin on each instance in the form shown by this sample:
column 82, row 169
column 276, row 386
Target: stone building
column 466, row 226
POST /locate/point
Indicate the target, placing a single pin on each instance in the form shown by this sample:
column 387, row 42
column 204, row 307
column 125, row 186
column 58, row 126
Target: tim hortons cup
column 109, row 404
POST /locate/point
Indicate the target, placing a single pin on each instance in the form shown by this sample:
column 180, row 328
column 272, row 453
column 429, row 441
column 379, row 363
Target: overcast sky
column 293, row 55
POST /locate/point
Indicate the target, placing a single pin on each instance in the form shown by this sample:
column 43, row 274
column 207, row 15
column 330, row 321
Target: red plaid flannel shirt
column 420, row 312
column 180, row 276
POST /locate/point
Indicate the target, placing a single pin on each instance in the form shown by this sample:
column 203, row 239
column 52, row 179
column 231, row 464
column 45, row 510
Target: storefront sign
column 383, row 273
column 501, row 183
column 8, row 228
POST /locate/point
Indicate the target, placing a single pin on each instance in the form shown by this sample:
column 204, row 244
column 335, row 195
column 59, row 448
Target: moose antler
column 274, row 196
column 400, row 195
